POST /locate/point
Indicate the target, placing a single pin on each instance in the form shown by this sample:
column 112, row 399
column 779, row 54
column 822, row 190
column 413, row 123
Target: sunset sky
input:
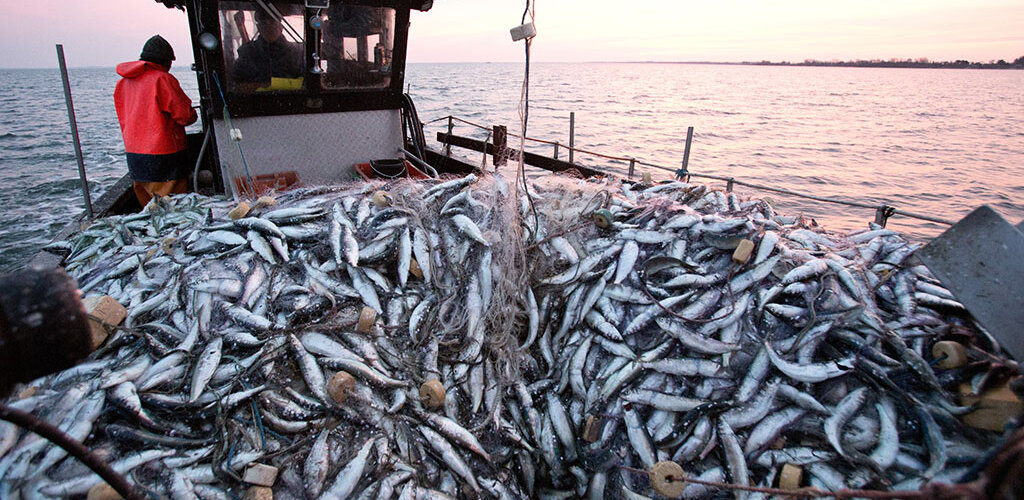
column 105, row 32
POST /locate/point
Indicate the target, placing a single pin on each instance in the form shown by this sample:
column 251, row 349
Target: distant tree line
column 921, row 62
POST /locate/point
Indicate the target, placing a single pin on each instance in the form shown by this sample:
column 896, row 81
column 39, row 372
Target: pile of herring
column 554, row 343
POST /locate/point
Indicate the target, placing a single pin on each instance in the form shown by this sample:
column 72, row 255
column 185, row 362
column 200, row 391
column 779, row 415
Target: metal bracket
column 882, row 214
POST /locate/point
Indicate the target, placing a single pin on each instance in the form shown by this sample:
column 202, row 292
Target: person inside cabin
column 153, row 112
column 269, row 61
column 349, row 34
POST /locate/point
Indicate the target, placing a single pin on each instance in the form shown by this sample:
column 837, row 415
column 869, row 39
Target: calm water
column 939, row 142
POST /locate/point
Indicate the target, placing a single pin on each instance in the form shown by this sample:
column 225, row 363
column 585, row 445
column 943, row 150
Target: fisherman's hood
column 134, row 69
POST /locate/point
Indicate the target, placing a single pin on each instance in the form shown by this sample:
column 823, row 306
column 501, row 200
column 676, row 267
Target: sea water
column 932, row 141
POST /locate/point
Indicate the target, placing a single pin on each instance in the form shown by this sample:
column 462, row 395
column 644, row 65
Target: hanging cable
column 524, row 104
column 524, row 115
column 199, row 158
column 231, row 131
column 412, row 130
column 413, row 125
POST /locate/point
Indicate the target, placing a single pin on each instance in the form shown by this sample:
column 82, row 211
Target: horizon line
column 765, row 62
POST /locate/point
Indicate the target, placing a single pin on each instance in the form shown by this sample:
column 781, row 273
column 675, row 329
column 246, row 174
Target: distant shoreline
column 874, row 63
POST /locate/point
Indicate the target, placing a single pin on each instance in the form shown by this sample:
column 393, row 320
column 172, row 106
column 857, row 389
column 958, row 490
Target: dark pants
column 158, row 175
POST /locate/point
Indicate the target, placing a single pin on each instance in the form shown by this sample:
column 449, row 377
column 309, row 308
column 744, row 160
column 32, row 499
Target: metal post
column 74, row 129
column 686, row 152
column 632, row 167
column 448, row 145
column 556, row 150
column 728, row 185
column 572, row 134
column 882, row 214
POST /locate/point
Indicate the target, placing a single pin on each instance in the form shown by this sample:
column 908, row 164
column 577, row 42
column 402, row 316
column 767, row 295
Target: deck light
column 207, row 41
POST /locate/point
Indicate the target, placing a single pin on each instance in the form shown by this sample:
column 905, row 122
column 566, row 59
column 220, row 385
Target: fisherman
column 153, row 112
column 268, row 62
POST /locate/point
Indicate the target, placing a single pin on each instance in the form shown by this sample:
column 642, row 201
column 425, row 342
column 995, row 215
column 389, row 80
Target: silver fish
column 317, row 464
column 205, row 367
column 311, row 371
column 347, row 478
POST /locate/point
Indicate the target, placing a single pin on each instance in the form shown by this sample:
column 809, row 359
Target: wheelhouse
column 295, row 91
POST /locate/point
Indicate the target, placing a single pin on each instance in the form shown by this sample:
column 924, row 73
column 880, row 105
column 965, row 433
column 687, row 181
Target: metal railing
column 882, row 211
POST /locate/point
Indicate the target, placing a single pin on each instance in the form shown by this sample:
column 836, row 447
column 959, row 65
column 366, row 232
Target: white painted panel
column 320, row 148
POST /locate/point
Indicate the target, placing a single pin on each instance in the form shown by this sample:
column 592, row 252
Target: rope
column 728, row 282
column 74, row 448
column 929, row 491
column 466, row 122
column 542, row 141
column 570, row 229
column 439, row 119
column 599, row 155
column 258, row 417
column 675, row 171
column 889, row 209
column 524, row 114
column 904, row 213
column 382, row 175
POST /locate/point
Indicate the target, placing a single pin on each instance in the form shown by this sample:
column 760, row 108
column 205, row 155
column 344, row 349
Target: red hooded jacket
column 152, row 109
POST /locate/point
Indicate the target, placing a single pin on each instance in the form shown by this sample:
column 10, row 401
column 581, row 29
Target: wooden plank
column 528, row 158
column 119, row 198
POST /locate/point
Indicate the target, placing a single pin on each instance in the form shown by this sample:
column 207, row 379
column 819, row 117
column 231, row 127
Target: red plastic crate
column 262, row 184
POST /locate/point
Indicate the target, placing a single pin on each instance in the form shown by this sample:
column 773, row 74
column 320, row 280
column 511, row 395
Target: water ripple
column 932, row 141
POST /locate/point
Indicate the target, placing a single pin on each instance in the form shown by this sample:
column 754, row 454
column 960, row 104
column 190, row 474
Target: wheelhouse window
column 357, row 47
column 263, row 46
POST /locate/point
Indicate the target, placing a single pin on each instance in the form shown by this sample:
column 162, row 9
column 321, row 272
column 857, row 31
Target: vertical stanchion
column 74, row 129
column 572, row 134
column 632, row 167
column 686, row 152
column 448, row 144
column 500, row 155
column 556, row 150
column 882, row 214
column 728, row 185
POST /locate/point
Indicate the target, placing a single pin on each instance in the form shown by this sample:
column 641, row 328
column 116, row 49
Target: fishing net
column 579, row 330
